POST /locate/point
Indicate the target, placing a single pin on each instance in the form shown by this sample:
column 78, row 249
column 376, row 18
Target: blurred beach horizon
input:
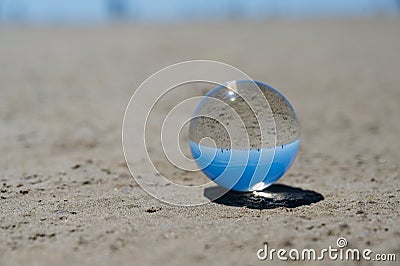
column 39, row 12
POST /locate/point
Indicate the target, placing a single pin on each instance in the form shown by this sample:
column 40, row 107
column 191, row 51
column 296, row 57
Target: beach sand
column 67, row 197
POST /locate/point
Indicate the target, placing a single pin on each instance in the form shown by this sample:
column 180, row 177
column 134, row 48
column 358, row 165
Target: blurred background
column 76, row 11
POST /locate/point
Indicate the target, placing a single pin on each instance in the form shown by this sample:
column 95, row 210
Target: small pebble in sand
column 76, row 166
column 153, row 209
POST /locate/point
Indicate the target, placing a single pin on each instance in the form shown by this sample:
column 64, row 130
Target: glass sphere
column 244, row 135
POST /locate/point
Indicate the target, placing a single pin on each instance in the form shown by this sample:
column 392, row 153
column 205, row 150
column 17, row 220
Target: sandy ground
column 67, row 197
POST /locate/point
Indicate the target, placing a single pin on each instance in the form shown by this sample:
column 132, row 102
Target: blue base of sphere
column 245, row 170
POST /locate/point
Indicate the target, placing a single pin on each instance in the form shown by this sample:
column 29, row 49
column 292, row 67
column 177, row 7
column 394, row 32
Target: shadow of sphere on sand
column 275, row 196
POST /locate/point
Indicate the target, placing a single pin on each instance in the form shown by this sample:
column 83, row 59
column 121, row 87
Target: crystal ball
column 244, row 135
